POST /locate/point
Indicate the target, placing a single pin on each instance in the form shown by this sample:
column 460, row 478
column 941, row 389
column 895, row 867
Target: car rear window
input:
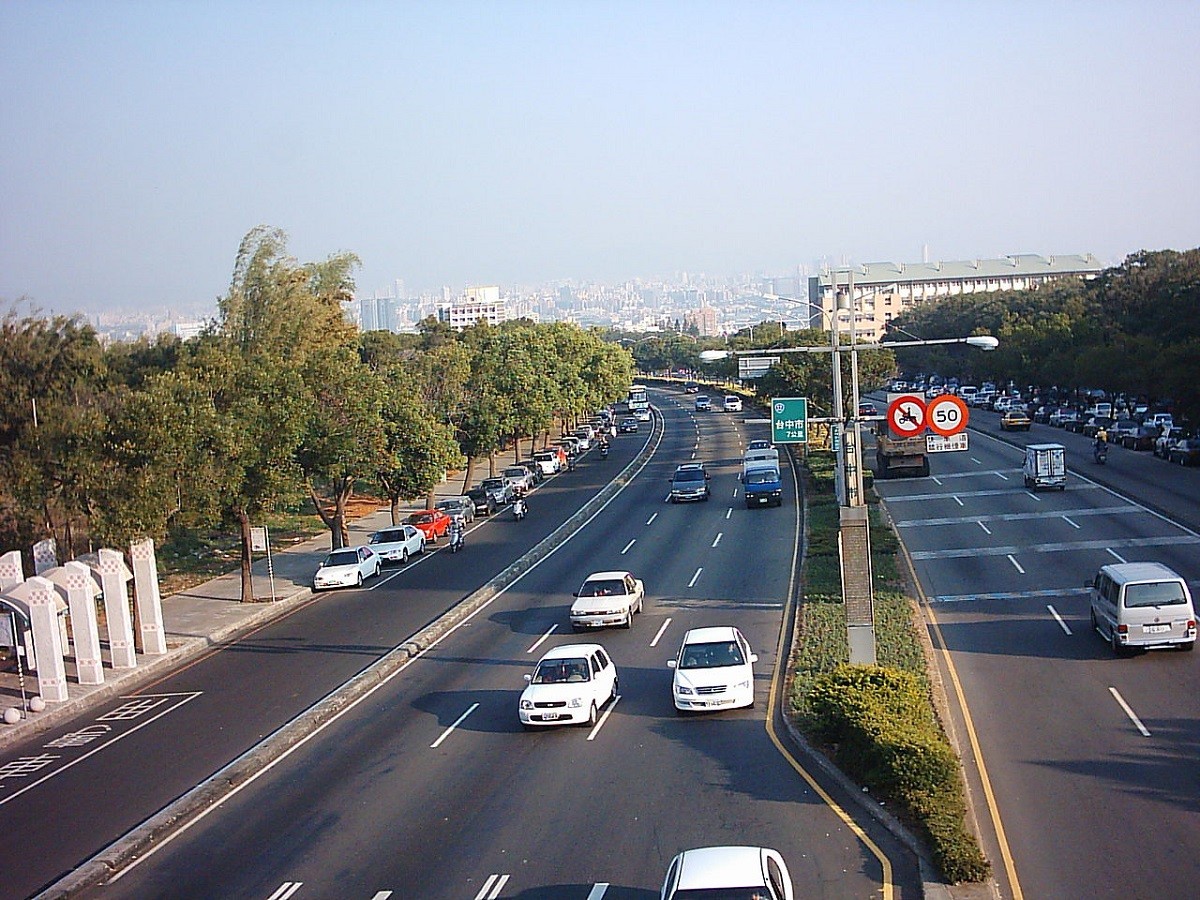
column 387, row 537
column 1155, row 593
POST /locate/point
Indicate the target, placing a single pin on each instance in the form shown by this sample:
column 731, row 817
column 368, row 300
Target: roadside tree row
column 280, row 401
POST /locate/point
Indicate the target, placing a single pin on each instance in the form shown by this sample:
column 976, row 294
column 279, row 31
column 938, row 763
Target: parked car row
column 351, row 566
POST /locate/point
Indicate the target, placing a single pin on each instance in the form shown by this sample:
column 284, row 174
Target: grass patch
column 877, row 723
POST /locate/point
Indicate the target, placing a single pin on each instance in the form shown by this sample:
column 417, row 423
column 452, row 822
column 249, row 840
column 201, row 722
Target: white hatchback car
column 348, row 567
column 731, row 873
column 733, row 403
column 607, row 598
column 714, row 670
column 569, row 686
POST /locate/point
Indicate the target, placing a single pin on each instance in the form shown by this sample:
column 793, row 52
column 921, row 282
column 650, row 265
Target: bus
column 637, row 398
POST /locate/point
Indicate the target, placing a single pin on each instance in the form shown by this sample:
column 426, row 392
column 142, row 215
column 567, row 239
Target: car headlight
column 742, row 684
column 575, row 702
column 684, row 689
column 526, row 704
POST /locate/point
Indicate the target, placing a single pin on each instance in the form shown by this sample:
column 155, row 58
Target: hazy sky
column 519, row 143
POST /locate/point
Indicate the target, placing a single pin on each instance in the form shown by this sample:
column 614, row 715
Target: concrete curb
column 148, row 669
column 145, row 837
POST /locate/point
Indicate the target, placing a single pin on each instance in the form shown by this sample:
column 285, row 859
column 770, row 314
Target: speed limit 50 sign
column 946, row 415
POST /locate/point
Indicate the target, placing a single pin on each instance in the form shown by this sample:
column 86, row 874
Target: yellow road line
column 781, row 665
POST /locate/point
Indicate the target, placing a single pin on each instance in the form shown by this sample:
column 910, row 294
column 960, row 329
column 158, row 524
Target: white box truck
column 1045, row 466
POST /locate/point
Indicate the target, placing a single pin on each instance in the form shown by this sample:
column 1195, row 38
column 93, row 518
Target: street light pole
column 854, row 545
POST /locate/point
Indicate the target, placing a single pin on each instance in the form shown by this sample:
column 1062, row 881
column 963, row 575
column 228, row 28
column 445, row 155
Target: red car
column 433, row 522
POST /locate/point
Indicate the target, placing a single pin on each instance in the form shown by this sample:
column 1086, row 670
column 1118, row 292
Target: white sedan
column 714, row 670
column 607, row 598
column 743, row 873
column 569, row 686
column 397, row 544
column 348, row 567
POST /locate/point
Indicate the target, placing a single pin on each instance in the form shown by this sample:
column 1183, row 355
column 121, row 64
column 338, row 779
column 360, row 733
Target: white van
column 1142, row 606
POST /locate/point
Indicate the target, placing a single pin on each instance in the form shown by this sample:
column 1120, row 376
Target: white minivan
column 1142, row 606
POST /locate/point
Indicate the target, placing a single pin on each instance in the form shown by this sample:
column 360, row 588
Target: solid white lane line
column 1058, row 619
column 986, row 530
column 598, row 891
column 1129, row 712
column 457, row 722
column 1118, row 556
column 654, row 643
column 652, row 518
column 1015, row 563
column 627, row 546
column 718, row 540
column 540, row 640
column 1067, row 519
column 695, row 577
column 604, row 718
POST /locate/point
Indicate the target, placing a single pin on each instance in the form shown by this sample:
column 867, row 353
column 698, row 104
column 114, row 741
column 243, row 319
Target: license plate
column 549, row 717
column 1156, row 629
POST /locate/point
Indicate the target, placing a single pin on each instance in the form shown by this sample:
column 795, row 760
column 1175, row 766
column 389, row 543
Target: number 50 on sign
column 946, row 415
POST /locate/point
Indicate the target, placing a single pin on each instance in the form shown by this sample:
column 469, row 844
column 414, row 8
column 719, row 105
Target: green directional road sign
column 789, row 420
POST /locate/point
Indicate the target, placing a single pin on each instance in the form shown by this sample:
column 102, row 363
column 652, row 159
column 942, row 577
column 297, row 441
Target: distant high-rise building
column 477, row 303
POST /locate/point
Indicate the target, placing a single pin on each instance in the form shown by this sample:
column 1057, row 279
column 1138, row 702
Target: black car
column 485, row 501
column 628, row 425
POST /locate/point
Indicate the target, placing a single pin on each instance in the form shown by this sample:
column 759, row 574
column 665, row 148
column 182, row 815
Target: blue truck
column 761, row 484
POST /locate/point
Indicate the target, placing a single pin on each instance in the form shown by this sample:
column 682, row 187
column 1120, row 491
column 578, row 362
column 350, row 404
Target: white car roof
column 604, row 576
column 571, row 650
column 710, row 635
column 713, row 867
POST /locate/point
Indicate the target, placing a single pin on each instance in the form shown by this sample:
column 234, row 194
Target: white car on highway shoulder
column 348, row 567
column 568, row 687
column 607, row 598
column 714, row 670
column 740, row 873
column 398, row 543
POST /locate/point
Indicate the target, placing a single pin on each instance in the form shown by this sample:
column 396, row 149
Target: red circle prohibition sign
column 906, row 415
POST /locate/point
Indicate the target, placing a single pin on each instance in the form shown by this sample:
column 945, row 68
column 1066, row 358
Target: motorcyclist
column 520, row 508
column 1100, row 447
column 456, row 531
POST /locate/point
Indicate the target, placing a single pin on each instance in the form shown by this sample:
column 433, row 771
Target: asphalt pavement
column 195, row 621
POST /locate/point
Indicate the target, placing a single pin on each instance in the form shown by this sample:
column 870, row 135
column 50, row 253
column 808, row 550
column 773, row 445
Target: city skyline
column 524, row 145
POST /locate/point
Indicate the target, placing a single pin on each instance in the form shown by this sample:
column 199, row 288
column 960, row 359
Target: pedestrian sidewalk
column 196, row 620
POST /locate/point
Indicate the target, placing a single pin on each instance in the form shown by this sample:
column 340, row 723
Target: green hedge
column 876, row 722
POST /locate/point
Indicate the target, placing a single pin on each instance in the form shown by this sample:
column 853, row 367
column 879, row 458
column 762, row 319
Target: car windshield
column 561, row 671
column 689, row 476
column 1156, row 593
column 761, row 477
column 342, row 558
column 711, row 656
column 602, row 588
column 387, row 537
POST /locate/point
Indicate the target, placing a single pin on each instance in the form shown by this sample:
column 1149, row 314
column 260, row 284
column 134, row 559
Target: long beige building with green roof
column 885, row 290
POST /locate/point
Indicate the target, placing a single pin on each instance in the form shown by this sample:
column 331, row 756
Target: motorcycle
column 519, row 510
column 1100, row 453
column 458, row 540
column 604, row 451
